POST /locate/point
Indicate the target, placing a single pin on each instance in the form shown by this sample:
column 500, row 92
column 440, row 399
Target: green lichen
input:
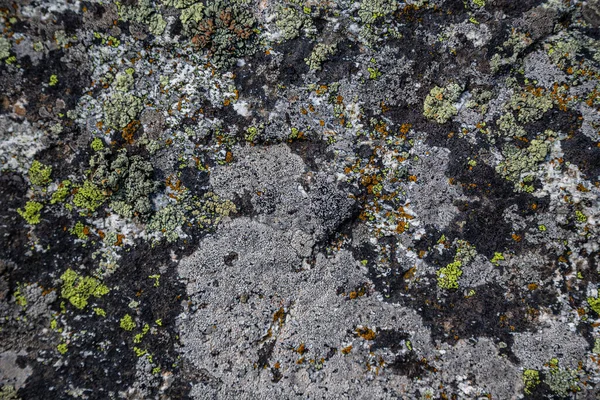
column 99, row 311
column 192, row 14
column 596, row 349
column 144, row 12
column 89, row 196
column 62, row 348
column 61, row 193
column 520, row 165
column 479, row 3
column 371, row 10
column 8, row 392
column 97, row 144
column 138, row 338
column 448, row 275
column 497, row 258
column 168, row 221
column 581, row 218
column 123, row 82
column 531, row 378
column 31, row 213
column 121, row 109
column 53, row 80
column 291, row 21
column 562, row 381
column 80, row 230
column 251, row 134
column 530, row 105
column 439, row 103
column 4, row 48
column 594, row 304
column 39, row 174
column 319, row 55
column 127, row 323
column 78, row 289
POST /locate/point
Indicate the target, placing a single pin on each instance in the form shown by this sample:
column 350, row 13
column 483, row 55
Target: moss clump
column 319, row 55
column 448, row 275
column 127, row 323
column 31, row 213
column 61, row 193
column 78, row 289
column 531, row 378
column 121, row 109
column 39, row 174
column 439, row 103
column 89, row 196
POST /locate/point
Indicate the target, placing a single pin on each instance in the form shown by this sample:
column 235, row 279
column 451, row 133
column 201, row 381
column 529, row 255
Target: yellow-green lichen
column 127, row 323
column 80, row 230
column 440, row 103
column 39, row 174
column 89, row 196
column 121, row 109
column 31, row 212
column 78, row 289
column 320, row 54
column 531, row 378
column 497, row 258
column 97, row 144
column 53, row 80
column 594, row 303
column 448, row 275
column 62, row 192
column 62, row 348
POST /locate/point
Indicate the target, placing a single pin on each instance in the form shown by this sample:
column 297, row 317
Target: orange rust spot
column 228, row 157
column 130, row 130
column 120, row 238
column 410, row 273
column 301, row 349
column 366, row 333
column 346, row 350
column 532, row 286
column 516, row 238
column 412, row 178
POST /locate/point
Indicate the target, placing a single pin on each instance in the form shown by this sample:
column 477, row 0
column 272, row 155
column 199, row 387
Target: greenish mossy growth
column 531, row 378
column 138, row 338
column 448, row 275
column 39, row 174
column 128, row 179
column 439, row 103
column 121, row 109
column 226, row 31
column 97, row 144
column 319, row 55
column 371, row 10
column 213, row 210
column 465, row 252
column 89, row 196
column 508, row 125
column 4, row 48
column 31, row 213
column 80, row 230
column 62, row 192
column 479, row 3
column 594, row 303
column 292, row 21
column 78, row 289
column 562, row 381
column 519, row 165
column 127, row 323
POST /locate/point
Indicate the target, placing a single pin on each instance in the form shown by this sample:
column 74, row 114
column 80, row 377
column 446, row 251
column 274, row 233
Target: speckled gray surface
column 299, row 199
